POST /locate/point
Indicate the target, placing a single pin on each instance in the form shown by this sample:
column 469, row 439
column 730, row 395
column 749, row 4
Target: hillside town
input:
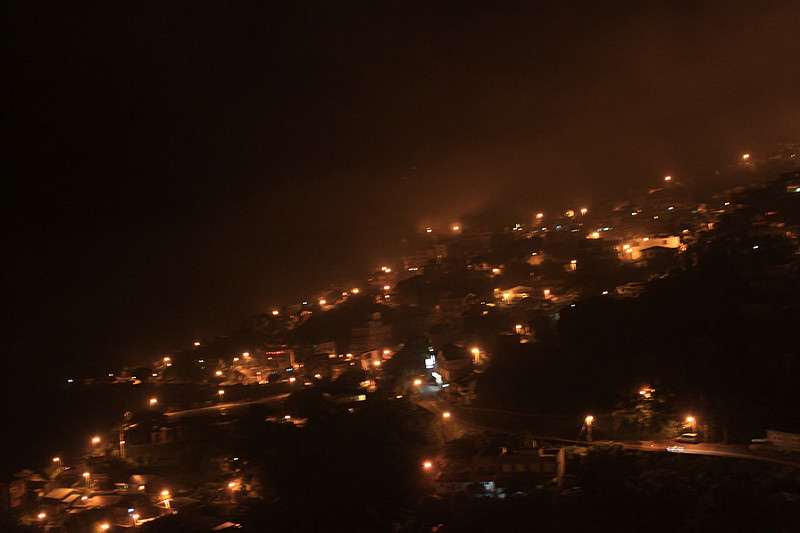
column 490, row 364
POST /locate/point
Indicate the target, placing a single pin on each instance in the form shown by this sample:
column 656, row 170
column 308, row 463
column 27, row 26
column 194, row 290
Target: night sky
column 173, row 167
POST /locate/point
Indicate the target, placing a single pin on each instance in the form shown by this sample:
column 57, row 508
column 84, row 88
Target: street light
column 691, row 420
column 417, row 382
column 95, row 440
column 165, row 498
column 57, row 460
column 88, row 477
column 153, row 401
column 589, row 419
column 220, row 393
column 427, row 465
column 446, row 415
column 232, row 486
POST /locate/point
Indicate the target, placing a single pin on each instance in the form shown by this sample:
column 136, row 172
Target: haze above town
column 178, row 169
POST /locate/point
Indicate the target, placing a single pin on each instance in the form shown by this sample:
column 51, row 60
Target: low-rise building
column 783, row 440
column 493, row 474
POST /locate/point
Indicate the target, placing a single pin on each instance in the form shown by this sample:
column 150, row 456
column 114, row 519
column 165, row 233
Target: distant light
column 387, row 352
column 626, row 246
column 690, row 419
column 670, row 208
column 417, row 382
column 456, row 227
column 584, row 211
column 292, row 379
column 589, row 419
column 446, row 414
column 86, row 474
column 573, row 262
column 275, row 312
column 246, row 354
column 287, row 417
column 69, row 381
column 570, row 213
column 104, row 527
column 197, row 343
column 746, row 156
column 667, row 178
column 387, row 287
column 376, row 363
column 235, row 359
column 231, row 485
column 318, row 376
column 56, row 459
column 355, row 290
column 476, row 351
column 495, row 271
column 546, row 293
column 428, row 230
column 605, row 292
column 506, row 295
column 95, row 440
column 322, row 302
column 218, row 372
column 42, row 516
column 164, row 493
column 153, row 401
column 220, row 392
column 167, row 359
column 427, row 464
column 633, row 213
column 539, row 215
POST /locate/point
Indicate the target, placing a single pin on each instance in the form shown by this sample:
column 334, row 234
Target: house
column 56, row 501
column 512, row 295
column 453, row 362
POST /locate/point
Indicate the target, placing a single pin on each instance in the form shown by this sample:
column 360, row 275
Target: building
column 371, row 339
column 417, row 260
column 493, row 475
column 789, row 442
column 453, row 363
column 12, row 494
